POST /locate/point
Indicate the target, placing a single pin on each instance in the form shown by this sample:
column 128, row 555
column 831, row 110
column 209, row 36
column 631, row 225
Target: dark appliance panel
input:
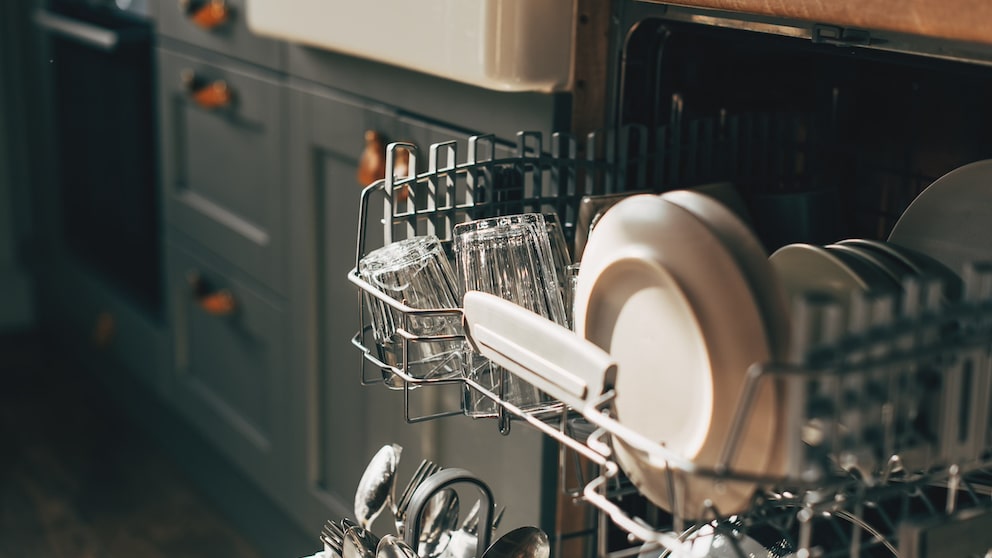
column 102, row 69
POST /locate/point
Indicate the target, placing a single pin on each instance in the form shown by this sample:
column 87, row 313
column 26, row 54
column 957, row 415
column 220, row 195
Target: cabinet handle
column 104, row 329
column 219, row 302
column 372, row 163
column 209, row 94
column 208, row 14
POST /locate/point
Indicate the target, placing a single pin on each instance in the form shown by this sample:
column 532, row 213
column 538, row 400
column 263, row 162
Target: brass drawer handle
column 216, row 302
column 209, row 94
column 372, row 162
column 208, row 14
column 104, row 329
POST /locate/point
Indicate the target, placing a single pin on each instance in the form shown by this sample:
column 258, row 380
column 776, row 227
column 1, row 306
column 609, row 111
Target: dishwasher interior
column 826, row 134
column 859, row 130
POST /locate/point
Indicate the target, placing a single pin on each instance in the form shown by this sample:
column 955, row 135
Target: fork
column 332, row 535
column 471, row 522
column 424, row 470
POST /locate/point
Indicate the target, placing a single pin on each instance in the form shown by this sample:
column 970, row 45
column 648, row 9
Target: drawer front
column 229, row 351
column 222, row 166
column 218, row 25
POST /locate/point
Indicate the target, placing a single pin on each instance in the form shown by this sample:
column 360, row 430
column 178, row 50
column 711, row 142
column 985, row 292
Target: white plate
column 918, row 263
column 660, row 292
column 870, row 268
column 805, row 268
column 726, row 193
column 949, row 220
column 893, row 266
column 730, row 227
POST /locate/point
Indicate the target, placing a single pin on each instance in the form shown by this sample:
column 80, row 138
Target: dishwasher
column 826, row 133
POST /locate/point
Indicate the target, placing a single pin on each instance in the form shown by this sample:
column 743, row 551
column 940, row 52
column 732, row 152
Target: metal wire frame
column 450, row 192
column 491, row 186
column 530, row 176
column 841, row 497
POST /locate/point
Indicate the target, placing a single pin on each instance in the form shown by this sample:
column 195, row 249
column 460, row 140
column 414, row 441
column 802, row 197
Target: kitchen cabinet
column 218, row 26
column 261, row 203
column 222, row 152
column 229, row 351
column 256, row 184
column 222, row 157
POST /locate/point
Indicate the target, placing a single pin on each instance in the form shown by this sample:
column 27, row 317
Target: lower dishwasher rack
column 849, row 493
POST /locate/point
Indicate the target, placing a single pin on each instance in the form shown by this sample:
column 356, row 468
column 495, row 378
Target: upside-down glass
column 417, row 273
column 559, row 249
column 510, row 257
column 571, row 281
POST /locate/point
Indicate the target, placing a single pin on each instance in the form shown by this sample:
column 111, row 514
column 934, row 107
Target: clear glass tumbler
column 510, row 257
column 415, row 272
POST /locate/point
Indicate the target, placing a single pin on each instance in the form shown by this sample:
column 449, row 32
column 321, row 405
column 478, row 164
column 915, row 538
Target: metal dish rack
column 887, row 416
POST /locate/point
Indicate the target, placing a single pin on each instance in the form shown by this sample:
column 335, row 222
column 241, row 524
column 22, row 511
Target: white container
column 506, row 45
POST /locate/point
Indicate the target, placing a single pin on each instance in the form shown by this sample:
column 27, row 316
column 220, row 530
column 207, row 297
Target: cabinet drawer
column 229, row 352
column 218, row 25
column 222, row 166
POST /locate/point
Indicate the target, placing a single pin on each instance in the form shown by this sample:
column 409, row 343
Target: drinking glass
column 510, row 257
column 571, row 281
column 415, row 272
column 559, row 249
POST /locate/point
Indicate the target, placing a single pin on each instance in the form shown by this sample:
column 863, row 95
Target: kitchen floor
column 78, row 481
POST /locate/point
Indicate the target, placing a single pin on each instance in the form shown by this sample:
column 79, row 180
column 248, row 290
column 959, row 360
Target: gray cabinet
column 218, row 26
column 229, row 354
column 222, row 166
column 257, row 174
column 222, row 159
column 332, row 442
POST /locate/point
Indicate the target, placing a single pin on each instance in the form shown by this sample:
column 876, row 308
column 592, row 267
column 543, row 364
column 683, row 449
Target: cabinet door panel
column 231, row 36
column 222, row 166
column 227, row 363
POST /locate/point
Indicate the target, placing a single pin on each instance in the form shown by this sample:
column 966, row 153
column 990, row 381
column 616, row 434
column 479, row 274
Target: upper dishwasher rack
column 935, row 354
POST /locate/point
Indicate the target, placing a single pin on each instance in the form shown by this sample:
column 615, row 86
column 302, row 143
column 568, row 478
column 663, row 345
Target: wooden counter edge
column 960, row 20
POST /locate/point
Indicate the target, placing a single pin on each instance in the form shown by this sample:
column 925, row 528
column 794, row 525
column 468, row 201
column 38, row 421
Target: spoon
column 463, row 542
column 359, row 543
column 522, row 542
column 375, row 488
column 391, row 547
column 440, row 518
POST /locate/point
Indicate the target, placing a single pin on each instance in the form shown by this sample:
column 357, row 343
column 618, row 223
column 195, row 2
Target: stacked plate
column 940, row 233
column 949, row 220
column 856, row 266
column 679, row 291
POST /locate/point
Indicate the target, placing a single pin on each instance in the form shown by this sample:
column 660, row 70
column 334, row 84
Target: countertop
column 963, row 20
